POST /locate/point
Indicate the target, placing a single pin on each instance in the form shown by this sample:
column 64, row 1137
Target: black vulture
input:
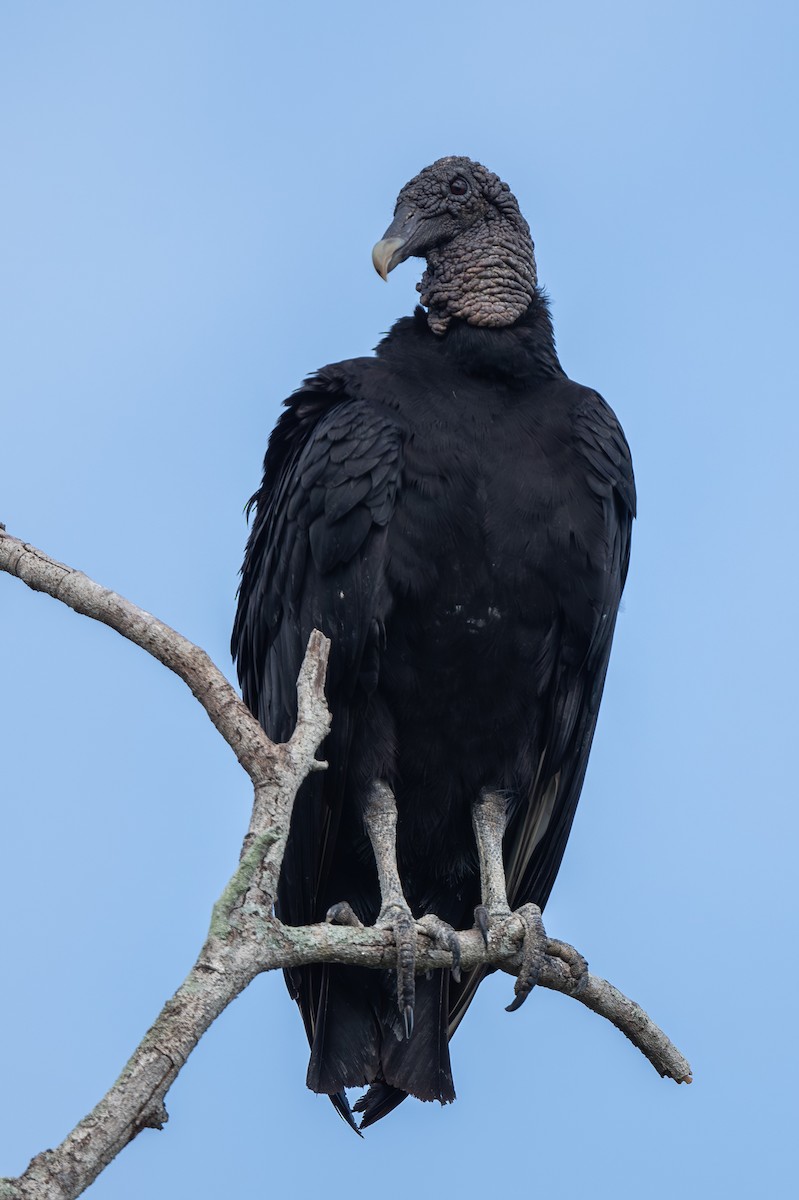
column 455, row 514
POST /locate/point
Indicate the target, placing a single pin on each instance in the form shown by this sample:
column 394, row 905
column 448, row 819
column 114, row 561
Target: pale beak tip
column 383, row 253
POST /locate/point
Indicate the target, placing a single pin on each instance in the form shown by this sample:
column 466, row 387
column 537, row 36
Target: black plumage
column 455, row 514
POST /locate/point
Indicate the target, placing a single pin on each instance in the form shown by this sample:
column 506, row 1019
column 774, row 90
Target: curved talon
column 534, row 948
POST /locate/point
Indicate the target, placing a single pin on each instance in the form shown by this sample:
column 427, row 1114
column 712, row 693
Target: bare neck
column 486, row 276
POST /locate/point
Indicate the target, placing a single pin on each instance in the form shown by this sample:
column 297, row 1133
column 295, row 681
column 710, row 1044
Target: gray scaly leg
column 489, row 817
column 395, row 914
column 380, row 818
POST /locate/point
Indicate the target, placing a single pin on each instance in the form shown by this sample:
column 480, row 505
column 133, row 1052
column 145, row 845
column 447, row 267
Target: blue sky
column 191, row 192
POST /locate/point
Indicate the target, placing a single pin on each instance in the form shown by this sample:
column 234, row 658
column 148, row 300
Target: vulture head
column 466, row 223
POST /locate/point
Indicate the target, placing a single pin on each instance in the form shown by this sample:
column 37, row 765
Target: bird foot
column 443, row 937
column 398, row 918
column 536, row 946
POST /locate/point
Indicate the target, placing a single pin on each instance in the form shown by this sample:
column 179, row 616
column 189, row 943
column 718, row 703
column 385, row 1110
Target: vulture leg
column 395, row 914
column 489, row 817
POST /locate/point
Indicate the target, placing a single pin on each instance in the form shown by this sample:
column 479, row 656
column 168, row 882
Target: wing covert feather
column 314, row 559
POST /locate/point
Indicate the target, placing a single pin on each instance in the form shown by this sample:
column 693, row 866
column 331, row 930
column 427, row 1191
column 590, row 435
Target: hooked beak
column 386, row 255
column 396, row 243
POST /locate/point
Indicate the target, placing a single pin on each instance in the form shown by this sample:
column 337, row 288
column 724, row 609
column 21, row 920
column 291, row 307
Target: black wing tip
column 342, row 1106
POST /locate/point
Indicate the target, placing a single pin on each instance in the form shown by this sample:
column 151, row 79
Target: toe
column 400, row 921
column 578, row 967
column 534, row 948
column 444, row 938
column 482, row 922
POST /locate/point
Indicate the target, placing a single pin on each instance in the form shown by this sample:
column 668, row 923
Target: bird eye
column 458, row 186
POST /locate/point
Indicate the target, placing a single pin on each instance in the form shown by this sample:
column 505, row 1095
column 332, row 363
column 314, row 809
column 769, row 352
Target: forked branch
column 244, row 937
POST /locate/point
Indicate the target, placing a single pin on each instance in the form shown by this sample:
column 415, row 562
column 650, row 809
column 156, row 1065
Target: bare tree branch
column 244, row 937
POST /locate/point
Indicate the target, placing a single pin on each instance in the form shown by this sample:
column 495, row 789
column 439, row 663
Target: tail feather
column 345, row 1051
column 357, row 1039
column 420, row 1066
column 377, row 1103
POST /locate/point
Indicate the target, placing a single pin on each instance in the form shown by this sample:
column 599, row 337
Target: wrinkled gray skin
column 480, row 260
